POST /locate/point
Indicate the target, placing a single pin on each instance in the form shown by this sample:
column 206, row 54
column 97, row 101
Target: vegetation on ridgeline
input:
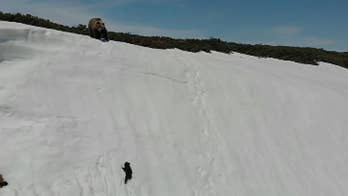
column 296, row 54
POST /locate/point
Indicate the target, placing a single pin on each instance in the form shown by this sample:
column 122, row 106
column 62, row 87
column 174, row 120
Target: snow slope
column 74, row 109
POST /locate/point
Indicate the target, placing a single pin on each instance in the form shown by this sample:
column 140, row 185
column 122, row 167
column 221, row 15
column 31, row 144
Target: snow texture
column 74, row 109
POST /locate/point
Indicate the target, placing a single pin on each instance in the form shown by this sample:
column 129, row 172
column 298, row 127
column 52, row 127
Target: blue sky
column 321, row 24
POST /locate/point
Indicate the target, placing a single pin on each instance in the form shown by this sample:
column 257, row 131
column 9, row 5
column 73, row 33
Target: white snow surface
column 74, row 109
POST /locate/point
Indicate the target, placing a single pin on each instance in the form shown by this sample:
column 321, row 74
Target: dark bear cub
column 2, row 182
column 128, row 170
column 97, row 29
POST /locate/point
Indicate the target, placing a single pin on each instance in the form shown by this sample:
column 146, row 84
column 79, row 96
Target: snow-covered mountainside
column 74, row 109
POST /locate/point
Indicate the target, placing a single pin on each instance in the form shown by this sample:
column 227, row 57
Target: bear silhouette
column 2, row 182
column 97, row 29
column 128, row 170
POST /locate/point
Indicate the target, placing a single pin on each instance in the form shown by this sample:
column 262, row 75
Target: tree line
column 304, row 55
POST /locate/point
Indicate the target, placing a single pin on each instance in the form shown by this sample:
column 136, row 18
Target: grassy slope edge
column 297, row 54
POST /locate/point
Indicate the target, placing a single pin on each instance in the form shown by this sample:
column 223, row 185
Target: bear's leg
column 97, row 35
column 105, row 35
column 91, row 33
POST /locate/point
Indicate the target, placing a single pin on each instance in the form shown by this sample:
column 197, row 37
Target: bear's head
column 99, row 25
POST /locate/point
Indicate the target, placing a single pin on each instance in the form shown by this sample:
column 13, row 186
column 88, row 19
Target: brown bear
column 2, row 182
column 128, row 170
column 97, row 29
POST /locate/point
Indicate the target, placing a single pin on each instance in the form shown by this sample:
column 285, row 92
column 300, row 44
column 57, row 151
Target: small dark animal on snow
column 128, row 170
column 97, row 29
column 2, row 182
